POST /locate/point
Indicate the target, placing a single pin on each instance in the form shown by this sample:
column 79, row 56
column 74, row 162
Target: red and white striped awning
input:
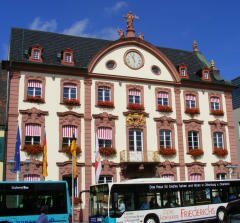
column 68, row 131
column 32, row 130
column 134, row 93
column 35, row 83
column 104, row 88
column 195, row 177
column 31, row 177
column 69, row 86
column 104, row 133
column 168, row 176
column 190, row 97
column 215, row 99
column 162, row 95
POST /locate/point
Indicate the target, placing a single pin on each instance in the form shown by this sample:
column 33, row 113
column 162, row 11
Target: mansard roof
column 85, row 48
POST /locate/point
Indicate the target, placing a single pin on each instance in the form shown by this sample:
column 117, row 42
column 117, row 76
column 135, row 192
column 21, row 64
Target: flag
column 98, row 164
column 74, row 156
column 45, row 173
column 17, row 166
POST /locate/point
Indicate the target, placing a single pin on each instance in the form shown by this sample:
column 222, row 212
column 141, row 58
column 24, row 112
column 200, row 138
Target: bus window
column 171, row 199
column 233, row 193
column 216, row 198
column 202, row 196
column 187, row 198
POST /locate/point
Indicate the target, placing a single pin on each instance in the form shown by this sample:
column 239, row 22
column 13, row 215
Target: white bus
column 157, row 200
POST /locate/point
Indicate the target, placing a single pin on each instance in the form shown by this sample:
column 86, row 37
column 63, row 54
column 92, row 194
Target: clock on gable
column 133, row 59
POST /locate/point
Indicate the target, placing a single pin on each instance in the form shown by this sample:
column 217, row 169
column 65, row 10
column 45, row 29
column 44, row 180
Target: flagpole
column 72, row 191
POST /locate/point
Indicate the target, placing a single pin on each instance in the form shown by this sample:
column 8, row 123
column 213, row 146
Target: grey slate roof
column 3, row 97
column 85, row 48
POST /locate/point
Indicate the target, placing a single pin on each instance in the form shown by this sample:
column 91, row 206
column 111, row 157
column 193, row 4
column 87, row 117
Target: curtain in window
column 134, row 92
column 195, row 177
column 104, row 133
column 32, row 130
column 68, row 131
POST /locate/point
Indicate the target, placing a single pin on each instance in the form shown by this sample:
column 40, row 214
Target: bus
column 21, row 201
column 157, row 200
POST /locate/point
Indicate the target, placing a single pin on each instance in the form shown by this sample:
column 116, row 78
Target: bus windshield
column 99, row 200
column 23, row 199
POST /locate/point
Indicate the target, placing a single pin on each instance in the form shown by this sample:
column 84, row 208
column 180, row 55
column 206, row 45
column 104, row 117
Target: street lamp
column 11, row 164
column 230, row 170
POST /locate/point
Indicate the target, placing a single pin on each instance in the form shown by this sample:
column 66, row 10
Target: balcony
column 139, row 156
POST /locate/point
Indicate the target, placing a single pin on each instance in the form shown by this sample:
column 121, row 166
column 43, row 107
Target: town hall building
column 156, row 112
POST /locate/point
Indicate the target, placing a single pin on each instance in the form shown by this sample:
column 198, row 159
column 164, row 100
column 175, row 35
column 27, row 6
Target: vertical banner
column 17, row 165
column 98, row 164
column 45, row 173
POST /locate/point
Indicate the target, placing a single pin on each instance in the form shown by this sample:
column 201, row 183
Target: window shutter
column 1, row 148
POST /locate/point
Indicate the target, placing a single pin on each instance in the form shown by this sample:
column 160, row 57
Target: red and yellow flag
column 74, row 156
column 45, row 173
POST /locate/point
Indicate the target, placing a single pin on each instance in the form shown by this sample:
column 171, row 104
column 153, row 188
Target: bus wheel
column 151, row 219
column 221, row 215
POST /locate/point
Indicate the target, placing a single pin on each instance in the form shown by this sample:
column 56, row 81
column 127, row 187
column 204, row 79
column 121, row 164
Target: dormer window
column 182, row 69
column 67, row 57
column 36, row 54
column 206, row 74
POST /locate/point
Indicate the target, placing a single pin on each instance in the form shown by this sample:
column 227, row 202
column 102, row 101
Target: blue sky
column 214, row 24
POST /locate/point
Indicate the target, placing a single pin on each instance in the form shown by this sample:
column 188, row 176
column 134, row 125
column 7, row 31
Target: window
column 156, row 70
column 215, row 103
column 111, row 64
column 31, row 177
column 134, row 97
column 162, row 98
column 206, row 74
column 195, row 177
column 165, row 139
column 104, row 94
column 191, row 101
column 68, row 58
column 183, row 72
column 135, row 140
column 32, row 134
column 104, row 137
column 221, row 176
column 67, row 134
column 34, row 88
column 182, row 69
column 69, row 92
column 168, row 176
column 218, row 139
column 193, row 140
column 105, row 179
column 36, row 54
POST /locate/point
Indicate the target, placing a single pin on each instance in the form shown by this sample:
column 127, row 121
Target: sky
column 214, row 24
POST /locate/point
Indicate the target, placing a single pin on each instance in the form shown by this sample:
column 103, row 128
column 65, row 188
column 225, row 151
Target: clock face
column 133, row 59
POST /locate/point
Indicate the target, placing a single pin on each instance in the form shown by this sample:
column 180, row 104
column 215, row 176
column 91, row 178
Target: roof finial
column 194, row 46
column 212, row 65
column 120, row 33
column 129, row 18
